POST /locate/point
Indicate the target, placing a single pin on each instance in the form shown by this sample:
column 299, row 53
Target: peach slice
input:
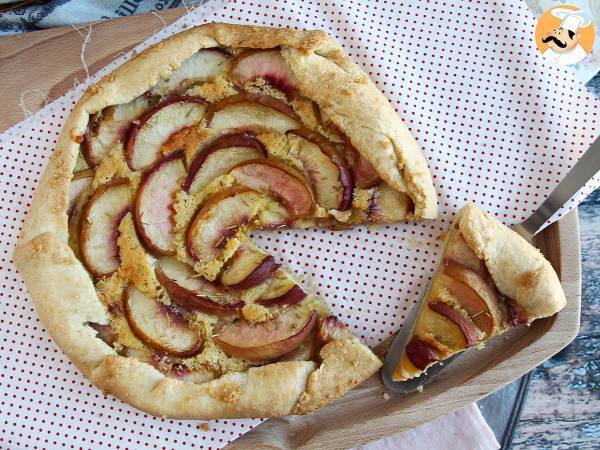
column 478, row 282
column 421, row 353
column 282, row 291
column 109, row 126
column 204, row 66
column 100, row 227
column 405, row 370
column 277, row 180
column 268, row 65
column 290, row 297
column 468, row 299
column 388, row 205
column 364, row 173
column 268, row 340
column 446, row 330
column 465, row 324
column 280, row 284
column 219, row 219
column 79, row 183
column 192, row 292
column 327, row 170
column 152, row 130
column 153, row 204
column 220, row 156
column 248, row 268
column 104, row 332
column 160, row 326
column 307, row 351
column 274, row 216
column 251, row 112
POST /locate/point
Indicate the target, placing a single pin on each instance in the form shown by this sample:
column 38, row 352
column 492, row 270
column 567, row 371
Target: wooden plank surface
column 363, row 415
column 49, row 61
column 562, row 409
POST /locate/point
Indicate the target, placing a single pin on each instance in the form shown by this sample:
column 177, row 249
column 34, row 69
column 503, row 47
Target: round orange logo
column 565, row 35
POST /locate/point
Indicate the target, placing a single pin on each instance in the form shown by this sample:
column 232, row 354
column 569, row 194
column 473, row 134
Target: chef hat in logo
column 571, row 20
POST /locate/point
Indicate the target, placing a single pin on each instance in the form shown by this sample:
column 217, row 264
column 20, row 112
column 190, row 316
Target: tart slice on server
column 490, row 279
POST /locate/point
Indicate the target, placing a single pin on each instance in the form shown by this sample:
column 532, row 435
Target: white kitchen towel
column 464, row 429
column 498, row 125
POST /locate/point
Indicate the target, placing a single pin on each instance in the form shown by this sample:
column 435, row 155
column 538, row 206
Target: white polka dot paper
column 499, row 126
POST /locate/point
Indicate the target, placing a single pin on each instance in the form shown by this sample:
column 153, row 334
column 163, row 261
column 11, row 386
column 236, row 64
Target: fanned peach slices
column 171, row 184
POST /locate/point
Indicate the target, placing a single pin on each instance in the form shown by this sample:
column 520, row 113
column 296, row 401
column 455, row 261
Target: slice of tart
column 490, row 279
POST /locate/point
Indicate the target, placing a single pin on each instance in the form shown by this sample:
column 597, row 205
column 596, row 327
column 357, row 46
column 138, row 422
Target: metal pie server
column 587, row 166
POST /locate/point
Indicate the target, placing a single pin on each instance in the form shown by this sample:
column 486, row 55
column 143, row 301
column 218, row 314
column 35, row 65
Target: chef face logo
column 561, row 40
column 565, row 35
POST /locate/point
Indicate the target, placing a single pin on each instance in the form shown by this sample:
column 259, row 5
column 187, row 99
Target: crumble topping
column 136, row 264
column 110, row 289
column 125, row 336
column 361, row 198
column 260, row 86
column 213, row 91
column 253, row 312
column 112, row 166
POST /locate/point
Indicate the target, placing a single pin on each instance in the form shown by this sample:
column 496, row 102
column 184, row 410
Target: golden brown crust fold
column 345, row 363
column 270, row 390
column 518, row 269
column 64, row 297
column 355, row 106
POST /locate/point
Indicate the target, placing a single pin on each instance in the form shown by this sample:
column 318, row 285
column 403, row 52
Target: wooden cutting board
column 47, row 63
column 365, row 414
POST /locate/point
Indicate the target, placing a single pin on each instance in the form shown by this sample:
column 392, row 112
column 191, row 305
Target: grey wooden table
column 562, row 406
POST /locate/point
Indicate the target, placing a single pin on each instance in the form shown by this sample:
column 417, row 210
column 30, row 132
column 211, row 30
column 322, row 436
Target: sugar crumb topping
column 260, row 86
column 136, row 265
column 110, row 289
column 114, row 166
column 253, row 312
column 361, row 197
column 214, row 90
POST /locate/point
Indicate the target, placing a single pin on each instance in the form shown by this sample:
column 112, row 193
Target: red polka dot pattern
column 499, row 126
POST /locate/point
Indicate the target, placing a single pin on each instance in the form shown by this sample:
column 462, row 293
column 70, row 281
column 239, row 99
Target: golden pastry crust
column 518, row 269
column 64, row 297
column 344, row 363
column 264, row 391
column 63, row 291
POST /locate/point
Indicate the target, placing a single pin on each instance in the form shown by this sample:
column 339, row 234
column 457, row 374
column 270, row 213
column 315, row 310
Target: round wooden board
column 362, row 415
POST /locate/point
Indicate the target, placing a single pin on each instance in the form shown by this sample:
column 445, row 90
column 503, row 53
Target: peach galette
column 136, row 249
column 490, row 279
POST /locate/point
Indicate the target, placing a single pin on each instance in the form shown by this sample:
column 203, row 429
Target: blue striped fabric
column 57, row 13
